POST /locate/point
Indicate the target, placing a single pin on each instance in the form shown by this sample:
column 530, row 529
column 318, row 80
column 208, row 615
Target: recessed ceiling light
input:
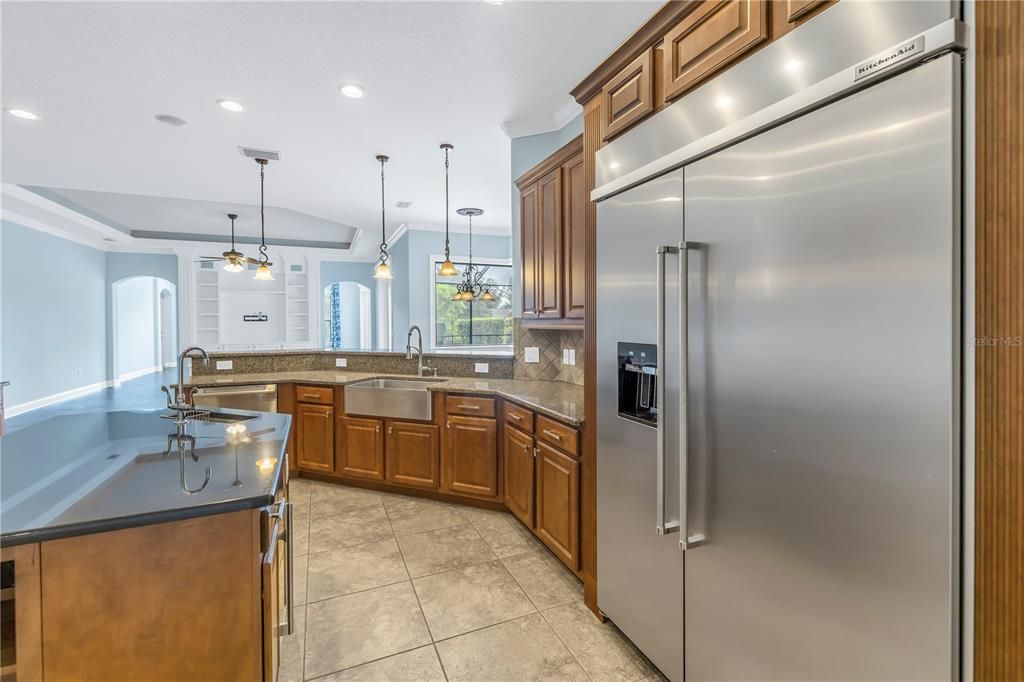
column 22, row 113
column 172, row 121
column 230, row 105
column 352, row 90
column 495, row 2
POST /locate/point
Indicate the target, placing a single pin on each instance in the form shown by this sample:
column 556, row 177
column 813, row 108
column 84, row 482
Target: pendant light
column 447, row 268
column 263, row 272
column 472, row 287
column 382, row 270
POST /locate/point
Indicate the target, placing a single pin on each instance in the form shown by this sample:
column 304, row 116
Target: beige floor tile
column 292, row 649
column 411, row 515
column 353, row 527
column 299, row 490
column 503, row 532
column 300, row 530
column 418, row 665
column 362, row 627
column 545, row 579
column 469, row 598
column 339, row 499
column 351, row 569
column 522, row 649
column 299, row 579
column 599, row 647
column 439, row 550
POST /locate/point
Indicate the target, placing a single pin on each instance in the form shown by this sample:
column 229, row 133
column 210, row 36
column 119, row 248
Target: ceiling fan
column 234, row 261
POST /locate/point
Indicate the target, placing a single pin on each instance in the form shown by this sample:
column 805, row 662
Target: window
column 458, row 324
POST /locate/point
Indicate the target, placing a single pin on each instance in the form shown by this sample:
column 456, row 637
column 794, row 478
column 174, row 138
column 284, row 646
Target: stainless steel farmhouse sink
column 391, row 398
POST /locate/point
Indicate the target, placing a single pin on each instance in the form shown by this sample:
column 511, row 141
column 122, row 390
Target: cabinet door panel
column 314, row 437
column 519, row 473
column 411, row 454
column 558, row 503
column 574, row 238
column 470, row 456
column 709, row 39
column 629, row 96
column 549, row 245
column 361, row 448
column 528, row 243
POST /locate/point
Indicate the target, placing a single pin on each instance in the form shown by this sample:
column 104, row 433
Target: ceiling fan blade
column 252, row 261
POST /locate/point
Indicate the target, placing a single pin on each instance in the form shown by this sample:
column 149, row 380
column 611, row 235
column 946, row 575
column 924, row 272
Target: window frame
column 432, row 321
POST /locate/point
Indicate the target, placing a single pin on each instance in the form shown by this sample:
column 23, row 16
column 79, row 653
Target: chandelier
column 472, row 287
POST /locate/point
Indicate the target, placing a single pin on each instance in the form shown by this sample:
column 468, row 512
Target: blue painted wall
column 527, row 152
column 400, row 292
column 53, row 304
column 360, row 273
column 121, row 266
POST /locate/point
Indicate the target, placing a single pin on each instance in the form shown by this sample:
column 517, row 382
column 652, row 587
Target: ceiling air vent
column 267, row 154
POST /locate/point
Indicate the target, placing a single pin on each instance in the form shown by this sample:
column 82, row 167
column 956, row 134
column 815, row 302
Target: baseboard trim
column 22, row 408
column 136, row 374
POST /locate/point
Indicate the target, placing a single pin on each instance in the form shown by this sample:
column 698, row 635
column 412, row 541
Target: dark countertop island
column 94, row 471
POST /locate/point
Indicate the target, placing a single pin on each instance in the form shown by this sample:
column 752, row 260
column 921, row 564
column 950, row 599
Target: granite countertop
column 557, row 399
column 93, row 471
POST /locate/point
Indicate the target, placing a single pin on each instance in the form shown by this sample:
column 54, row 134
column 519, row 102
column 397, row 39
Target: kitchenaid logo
column 887, row 59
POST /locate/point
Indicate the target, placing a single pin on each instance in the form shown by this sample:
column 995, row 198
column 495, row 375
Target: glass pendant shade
column 487, row 295
column 448, row 269
column 382, row 271
column 232, row 266
column 263, row 273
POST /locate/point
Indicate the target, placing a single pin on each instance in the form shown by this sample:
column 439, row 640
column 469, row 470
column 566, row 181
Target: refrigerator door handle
column 662, row 527
column 686, row 541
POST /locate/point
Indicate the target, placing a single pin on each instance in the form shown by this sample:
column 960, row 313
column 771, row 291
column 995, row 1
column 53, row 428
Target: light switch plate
column 531, row 354
column 225, row 364
column 565, row 356
column 340, row 362
column 482, row 368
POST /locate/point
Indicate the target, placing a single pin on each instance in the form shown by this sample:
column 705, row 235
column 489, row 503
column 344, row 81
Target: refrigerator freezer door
column 825, row 299
column 641, row 584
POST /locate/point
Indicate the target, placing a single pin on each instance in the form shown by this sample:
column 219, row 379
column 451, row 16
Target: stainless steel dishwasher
column 258, row 398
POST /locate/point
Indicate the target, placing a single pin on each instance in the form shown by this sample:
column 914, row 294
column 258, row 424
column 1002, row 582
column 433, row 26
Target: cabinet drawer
column 519, row 417
column 563, row 437
column 321, row 395
column 469, row 405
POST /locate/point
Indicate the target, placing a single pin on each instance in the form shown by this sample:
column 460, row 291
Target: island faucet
column 179, row 391
column 420, row 367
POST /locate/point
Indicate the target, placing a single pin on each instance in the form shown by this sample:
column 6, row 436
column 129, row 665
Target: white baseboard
column 22, row 408
column 168, row 365
column 128, row 376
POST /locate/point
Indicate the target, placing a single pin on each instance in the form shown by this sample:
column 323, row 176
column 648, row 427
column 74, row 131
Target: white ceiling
column 97, row 73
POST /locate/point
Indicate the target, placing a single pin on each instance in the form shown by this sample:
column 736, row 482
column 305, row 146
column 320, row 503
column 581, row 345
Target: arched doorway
column 143, row 321
column 347, row 316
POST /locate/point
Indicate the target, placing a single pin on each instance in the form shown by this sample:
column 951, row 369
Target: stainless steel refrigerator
column 778, row 358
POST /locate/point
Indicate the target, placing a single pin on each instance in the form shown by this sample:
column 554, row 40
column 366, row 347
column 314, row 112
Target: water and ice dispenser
column 638, row 377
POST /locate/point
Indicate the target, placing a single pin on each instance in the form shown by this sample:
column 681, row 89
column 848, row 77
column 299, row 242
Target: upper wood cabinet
column 629, row 96
column 785, row 15
column 361, row 448
column 411, row 454
column 528, row 243
column 553, row 204
column 708, row 39
column 314, row 437
column 469, row 456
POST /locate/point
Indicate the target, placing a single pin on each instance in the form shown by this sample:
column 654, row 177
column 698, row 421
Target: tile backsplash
column 550, row 344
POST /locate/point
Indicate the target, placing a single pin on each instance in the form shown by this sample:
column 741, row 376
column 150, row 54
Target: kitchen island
column 140, row 552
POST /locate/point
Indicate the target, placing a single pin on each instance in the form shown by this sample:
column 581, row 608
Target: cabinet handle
column 535, row 453
column 310, row 396
column 551, row 435
column 391, row 429
column 378, row 428
column 449, row 425
column 469, row 407
column 516, row 417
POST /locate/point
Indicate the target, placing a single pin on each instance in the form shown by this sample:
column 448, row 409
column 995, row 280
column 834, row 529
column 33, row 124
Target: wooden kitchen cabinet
column 629, row 96
column 519, row 461
column 708, row 39
column 360, row 450
column 553, row 205
column 785, row 15
column 528, row 244
column 558, row 503
column 469, row 456
column 273, row 607
column 314, row 437
column 411, row 454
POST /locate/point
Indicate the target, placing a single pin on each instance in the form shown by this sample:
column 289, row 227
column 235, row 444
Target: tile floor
column 395, row 588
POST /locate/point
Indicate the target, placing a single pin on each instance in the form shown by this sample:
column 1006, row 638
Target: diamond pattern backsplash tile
column 550, row 343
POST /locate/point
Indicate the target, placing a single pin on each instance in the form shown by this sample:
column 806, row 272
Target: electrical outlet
column 340, row 362
column 482, row 368
column 531, row 354
column 225, row 364
column 572, row 356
